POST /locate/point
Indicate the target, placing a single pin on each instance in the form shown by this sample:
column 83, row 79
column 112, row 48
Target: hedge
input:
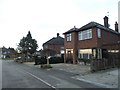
column 53, row 60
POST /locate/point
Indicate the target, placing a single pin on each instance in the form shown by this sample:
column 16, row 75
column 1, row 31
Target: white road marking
column 41, row 80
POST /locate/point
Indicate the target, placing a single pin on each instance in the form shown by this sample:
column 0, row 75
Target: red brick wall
column 68, row 45
column 57, row 48
column 89, row 43
column 108, row 38
column 75, row 41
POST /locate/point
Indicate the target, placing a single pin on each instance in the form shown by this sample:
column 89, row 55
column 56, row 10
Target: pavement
column 107, row 78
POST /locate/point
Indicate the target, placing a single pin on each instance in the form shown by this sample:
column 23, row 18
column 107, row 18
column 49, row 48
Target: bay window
column 85, row 53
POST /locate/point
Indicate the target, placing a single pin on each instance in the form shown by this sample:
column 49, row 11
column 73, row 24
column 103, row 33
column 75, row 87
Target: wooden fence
column 102, row 64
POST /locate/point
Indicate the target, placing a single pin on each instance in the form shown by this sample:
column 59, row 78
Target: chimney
column 74, row 27
column 116, row 26
column 57, row 34
column 106, row 21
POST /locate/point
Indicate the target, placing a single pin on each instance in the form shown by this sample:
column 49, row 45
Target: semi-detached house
column 55, row 44
column 92, row 40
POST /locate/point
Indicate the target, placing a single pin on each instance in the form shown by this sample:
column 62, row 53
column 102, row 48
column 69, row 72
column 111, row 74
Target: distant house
column 93, row 40
column 1, row 55
column 7, row 52
column 55, row 44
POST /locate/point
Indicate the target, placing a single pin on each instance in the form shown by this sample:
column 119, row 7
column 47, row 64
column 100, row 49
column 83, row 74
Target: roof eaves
column 71, row 30
column 95, row 24
column 88, row 26
column 107, row 29
column 48, row 41
column 55, row 41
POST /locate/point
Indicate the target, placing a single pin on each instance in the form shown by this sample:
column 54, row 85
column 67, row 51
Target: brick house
column 56, row 44
column 90, row 41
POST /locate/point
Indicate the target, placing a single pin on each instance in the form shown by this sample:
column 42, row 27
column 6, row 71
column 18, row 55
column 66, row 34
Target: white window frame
column 69, row 37
column 99, row 53
column 83, row 35
column 81, row 52
column 99, row 32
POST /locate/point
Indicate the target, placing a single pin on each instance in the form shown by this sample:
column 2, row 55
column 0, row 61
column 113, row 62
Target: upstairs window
column 68, row 36
column 99, row 33
column 83, row 35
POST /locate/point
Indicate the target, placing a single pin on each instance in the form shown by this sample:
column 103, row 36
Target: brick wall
column 107, row 38
column 89, row 43
column 56, row 48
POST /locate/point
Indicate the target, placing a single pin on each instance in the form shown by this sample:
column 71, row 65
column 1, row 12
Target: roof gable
column 55, row 40
column 87, row 26
column 71, row 30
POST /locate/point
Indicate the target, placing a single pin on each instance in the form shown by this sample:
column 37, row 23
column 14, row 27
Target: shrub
column 55, row 60
column 84, row 60
column 52, row 60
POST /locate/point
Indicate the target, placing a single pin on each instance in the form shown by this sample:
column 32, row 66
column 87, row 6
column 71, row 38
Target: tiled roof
column 56, row 41
column 95, row 24
column 90, row 25
column 71, row 30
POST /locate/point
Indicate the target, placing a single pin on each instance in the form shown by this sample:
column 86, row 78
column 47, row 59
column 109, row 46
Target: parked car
column 55, row 59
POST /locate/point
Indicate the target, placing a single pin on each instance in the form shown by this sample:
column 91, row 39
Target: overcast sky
column 46, row 18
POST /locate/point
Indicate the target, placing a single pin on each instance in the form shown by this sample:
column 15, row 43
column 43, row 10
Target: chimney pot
column 106, row 22
column 74, row 28
column 57, row 34
column 116, row 26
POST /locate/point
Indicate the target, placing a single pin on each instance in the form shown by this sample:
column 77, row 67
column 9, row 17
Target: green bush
column 52, row 60
column 84, row 60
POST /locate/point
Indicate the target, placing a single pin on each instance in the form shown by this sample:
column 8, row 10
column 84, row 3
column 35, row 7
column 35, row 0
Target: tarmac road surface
column 17, row 75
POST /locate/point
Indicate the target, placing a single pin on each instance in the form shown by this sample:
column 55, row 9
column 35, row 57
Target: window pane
column 85, row 53
column 87, row 34
column 85, row 56
column 68, row 36
column 99, row 33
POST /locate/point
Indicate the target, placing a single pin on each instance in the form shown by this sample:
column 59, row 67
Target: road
column 16, row 75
